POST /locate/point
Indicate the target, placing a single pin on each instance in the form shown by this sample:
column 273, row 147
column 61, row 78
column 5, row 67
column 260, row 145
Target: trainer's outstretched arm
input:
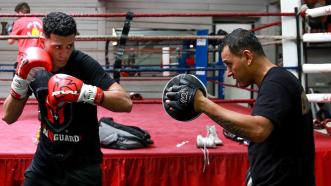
column 254, row 128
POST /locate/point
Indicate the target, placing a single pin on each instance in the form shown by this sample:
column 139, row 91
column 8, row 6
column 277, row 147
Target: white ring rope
column 317, row 37
column 319, row 98
column 148, row 38
column 316, row 68
column 320, row 11
column 272, row 42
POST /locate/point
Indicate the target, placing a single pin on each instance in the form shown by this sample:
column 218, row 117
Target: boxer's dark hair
column 241, row 39
column 22, row 7
column 59, row 23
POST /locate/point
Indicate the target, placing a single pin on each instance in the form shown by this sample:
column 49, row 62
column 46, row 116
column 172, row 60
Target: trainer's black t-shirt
column 286, row 157
column 69, row 134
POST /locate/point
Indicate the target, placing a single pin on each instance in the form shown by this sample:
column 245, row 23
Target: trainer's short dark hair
column 241, row 39
column 22, row 7
column 59, row 23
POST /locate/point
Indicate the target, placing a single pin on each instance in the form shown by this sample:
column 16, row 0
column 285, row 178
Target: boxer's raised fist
column 64, row 88
column 33, row 60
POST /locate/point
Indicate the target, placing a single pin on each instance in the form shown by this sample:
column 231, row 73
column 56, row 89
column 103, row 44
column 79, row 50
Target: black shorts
column 60, row 175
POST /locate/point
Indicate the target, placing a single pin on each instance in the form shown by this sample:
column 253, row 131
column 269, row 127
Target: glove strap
column 91, row 94
column 19, row 87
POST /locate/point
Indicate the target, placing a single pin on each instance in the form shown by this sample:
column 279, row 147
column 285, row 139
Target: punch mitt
column 180, row 91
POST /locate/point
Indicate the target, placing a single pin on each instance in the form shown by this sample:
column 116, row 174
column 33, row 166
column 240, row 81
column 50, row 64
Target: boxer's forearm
column 12, row 109
column 117, row 99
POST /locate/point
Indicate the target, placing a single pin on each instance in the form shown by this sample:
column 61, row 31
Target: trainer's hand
column 64, row 88
column 179, row 96
column 33, row 60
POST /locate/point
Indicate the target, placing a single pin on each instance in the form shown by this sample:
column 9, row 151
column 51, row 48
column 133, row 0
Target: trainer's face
column 236, row 67
column 60, row 49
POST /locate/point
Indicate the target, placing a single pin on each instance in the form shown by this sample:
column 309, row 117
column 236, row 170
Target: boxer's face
column 60, row 49
column 236, row 67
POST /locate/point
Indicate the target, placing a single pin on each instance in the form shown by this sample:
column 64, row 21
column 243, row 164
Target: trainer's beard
column 242, row 84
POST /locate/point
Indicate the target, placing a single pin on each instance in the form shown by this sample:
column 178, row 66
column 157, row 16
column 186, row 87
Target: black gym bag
column 118, row 136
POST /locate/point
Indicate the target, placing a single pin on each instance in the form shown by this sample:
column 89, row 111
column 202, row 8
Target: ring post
column 165, row 60
column 201, row 56
column 289, row 29
column 220, row 76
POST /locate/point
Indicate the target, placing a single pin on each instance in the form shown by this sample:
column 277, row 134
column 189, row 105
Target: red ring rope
column 266, row 26
column 196, row 14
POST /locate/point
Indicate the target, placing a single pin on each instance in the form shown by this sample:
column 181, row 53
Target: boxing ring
column 173, row 159
column 163, row 163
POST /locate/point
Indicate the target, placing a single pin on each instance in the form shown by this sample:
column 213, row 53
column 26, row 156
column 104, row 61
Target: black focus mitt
column 180, row 92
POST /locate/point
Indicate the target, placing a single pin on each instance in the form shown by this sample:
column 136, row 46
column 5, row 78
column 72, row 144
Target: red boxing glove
column 33, row 60
column 64, row 88
column 34, row 57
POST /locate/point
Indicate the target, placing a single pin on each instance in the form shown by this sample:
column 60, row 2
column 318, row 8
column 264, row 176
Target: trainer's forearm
column 12, row 109
column 227, row 119
column 254, row 128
